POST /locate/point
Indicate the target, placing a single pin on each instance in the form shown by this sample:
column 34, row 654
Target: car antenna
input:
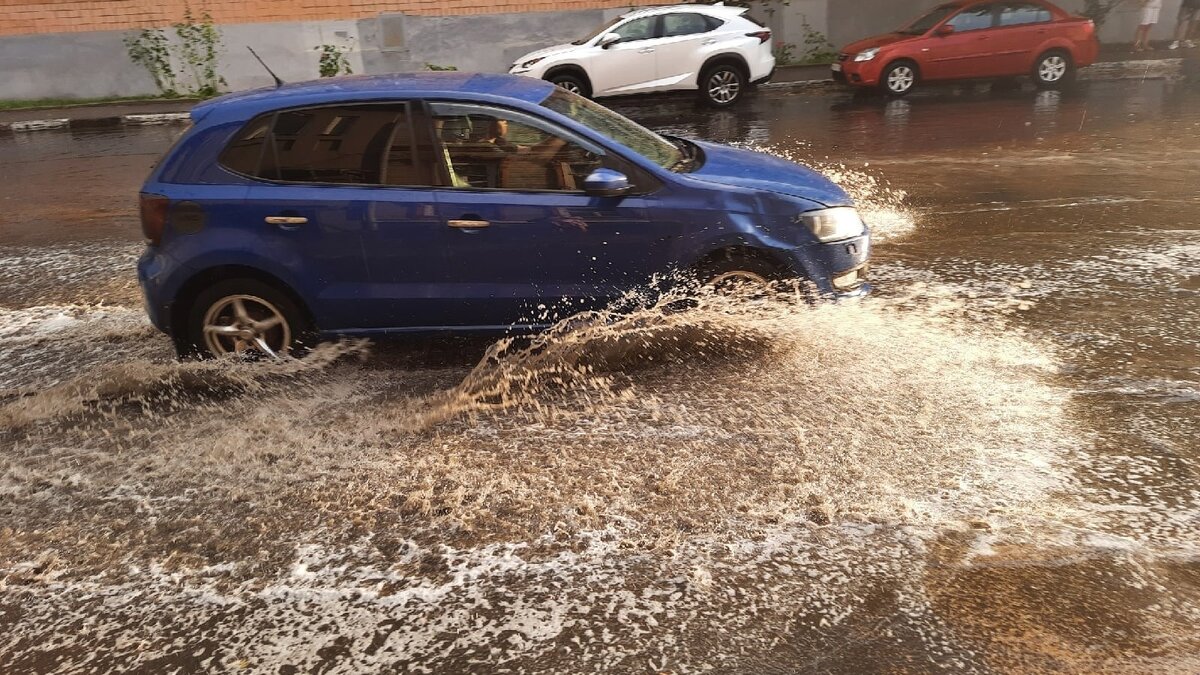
column 278, row 82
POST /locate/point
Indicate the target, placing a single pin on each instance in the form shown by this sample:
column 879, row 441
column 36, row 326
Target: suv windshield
column 924, row 24
column 622, row 130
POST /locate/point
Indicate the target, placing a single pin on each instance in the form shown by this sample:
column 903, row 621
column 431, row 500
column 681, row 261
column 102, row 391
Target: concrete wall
column 488, row 43
column 851, row 21
column 1122, row 23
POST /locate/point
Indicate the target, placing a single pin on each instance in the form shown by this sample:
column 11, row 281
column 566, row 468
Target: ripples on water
column 744, row 486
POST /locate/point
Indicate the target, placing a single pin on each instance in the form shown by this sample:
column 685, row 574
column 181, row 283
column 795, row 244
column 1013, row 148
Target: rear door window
column 978, row 17
column 357, row 145
column 685, row 23
column 1021, row 13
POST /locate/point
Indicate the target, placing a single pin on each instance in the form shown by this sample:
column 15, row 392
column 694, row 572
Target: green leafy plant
column 434, row 66
column 151, row 50
column 785, row 54
column 333, row 60
column 186, row 64
column 199, row 49
column 817, row 47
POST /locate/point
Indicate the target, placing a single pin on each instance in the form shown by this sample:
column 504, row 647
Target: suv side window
column 1020, row 13
column 492, row 148
column 686, row 23
column 358, row 145
column 978, row 17
column 638, row 29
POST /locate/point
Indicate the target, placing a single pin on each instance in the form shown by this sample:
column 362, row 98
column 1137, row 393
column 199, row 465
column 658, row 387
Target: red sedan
column 973, row 39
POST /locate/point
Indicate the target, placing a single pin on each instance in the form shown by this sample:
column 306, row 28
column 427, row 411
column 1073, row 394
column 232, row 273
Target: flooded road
column 989, row 466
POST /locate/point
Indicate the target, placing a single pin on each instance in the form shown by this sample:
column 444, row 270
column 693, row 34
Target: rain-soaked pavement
column 989, row 466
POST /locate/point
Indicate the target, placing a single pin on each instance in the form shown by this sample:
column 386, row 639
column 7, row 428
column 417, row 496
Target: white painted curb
column 157, row 118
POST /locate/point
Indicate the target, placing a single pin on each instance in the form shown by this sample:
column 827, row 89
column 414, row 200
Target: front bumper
column 858, row 73
column 839, row 268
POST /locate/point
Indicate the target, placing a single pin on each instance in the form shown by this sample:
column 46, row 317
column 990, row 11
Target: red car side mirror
column 944, row 30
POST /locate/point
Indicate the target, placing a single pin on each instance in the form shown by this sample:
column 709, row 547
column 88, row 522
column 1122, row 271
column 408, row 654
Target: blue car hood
column 724, row 165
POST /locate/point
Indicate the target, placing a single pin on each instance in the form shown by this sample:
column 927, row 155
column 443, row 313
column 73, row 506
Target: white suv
column 712, row 48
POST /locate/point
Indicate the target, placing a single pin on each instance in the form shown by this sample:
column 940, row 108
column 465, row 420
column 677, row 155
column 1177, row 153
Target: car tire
column 1053, row 69
column 899, row 78
column 722, row 85
column 258, row 320
column 731, row 269
column 572, row 83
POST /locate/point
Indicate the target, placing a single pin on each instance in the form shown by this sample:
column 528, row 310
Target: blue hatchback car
column 456, row 202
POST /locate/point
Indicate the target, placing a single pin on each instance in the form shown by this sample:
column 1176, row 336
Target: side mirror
column 606, row 183
column 609, row 40
column 944, row 30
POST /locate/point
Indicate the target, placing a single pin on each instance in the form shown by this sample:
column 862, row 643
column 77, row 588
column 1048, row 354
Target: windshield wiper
column 689, row 150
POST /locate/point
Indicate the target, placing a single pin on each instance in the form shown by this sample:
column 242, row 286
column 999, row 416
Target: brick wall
column 74, row 16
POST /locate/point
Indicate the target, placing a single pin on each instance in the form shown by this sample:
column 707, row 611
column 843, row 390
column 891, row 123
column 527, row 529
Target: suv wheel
column 245, row 317
column 899, row 78
column 1052, row 70
column 572, row 83
column 722, row 85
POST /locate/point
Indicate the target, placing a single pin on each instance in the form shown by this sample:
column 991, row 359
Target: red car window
column 973, row 18
column 1020, row 13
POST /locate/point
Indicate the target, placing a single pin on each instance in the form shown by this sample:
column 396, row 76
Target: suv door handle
column 286, row 220
column 646, row 50
column 468, row 224
column 709, row 41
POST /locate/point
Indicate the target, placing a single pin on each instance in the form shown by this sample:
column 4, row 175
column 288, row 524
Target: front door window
column 488, row 148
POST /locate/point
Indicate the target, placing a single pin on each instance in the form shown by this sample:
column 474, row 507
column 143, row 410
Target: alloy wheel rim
column 241, row 324
column 1053, row 68
column 571, row 86
column 735, row 280
column 723, row 86
column 901, row 79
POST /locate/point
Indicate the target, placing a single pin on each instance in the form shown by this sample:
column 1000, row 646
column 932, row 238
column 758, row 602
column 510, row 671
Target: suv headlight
column 866, row 54
column 834, row 224
column 525, row 65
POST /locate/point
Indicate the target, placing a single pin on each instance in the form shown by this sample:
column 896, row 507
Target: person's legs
column 1187, row 15
column 1141, row 38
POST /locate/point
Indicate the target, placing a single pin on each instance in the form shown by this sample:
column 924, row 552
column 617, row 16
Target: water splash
column 883, row 207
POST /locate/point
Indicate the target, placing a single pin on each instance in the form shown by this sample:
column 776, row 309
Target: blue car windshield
column 621, row 129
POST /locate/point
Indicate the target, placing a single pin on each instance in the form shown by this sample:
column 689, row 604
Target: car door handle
column 286, row 220
column 646, row 50
column 709, row 41
column 468, row 224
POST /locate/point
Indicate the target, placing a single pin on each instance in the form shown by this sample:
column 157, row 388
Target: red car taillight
column 154, row 217
column 762, row 35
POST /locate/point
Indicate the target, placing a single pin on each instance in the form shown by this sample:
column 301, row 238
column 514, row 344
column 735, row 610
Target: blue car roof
column 473, row 86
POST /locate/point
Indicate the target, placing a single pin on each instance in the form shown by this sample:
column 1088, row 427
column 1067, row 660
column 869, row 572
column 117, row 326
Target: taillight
column 154, row 217
column 762, row 35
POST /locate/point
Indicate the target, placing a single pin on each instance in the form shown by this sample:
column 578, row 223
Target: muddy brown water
column 989, row 466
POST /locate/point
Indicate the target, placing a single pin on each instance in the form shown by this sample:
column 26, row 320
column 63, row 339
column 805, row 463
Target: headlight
column 866, row 55
column 834, row 224
column 529, row 64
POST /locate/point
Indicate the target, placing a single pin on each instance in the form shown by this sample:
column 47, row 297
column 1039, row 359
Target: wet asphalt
column 1067, row 221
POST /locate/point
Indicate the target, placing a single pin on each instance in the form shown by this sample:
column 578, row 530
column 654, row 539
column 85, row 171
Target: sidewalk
column 1116, row 62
